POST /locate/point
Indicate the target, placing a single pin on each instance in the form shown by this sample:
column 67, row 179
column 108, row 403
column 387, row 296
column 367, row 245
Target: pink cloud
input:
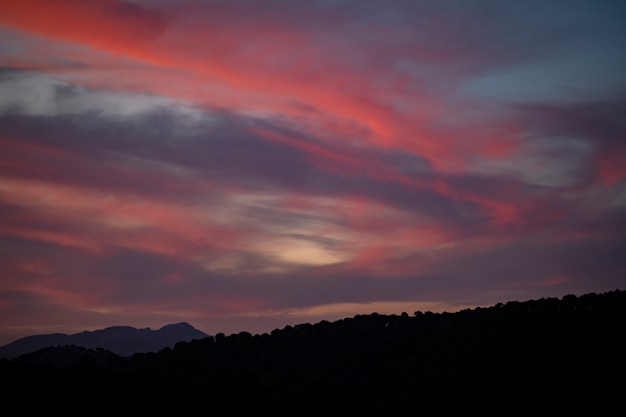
column 219, row 161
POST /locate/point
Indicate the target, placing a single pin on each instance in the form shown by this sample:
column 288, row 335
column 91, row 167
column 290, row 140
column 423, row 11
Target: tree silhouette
column 541, row 357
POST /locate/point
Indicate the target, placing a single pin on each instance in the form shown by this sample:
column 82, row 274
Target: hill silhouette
column 122, row 340
column 542, row 357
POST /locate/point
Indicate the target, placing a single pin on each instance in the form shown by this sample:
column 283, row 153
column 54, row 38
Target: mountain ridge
column 121, row 340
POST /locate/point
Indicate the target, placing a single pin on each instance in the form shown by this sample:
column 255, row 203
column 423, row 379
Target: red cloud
column 117, row 26
column 243, row 63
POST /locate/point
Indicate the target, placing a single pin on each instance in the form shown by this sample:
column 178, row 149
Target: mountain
column 122, row 340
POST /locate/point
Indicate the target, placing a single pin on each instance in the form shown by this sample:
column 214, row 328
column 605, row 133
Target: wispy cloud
column 245, row 165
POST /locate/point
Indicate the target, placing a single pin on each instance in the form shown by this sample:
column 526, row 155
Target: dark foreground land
column 548, row 357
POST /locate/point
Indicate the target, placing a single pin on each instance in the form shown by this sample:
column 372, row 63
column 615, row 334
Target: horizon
column 324, row 318
column 243, row 166
column 258, row 329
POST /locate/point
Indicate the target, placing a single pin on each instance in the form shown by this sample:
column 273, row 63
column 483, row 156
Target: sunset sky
column 247, row 164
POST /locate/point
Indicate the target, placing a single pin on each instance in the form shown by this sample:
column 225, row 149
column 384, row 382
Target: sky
column 245, row 165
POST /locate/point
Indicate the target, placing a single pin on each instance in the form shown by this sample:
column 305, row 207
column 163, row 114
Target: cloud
column 116, row 25
column 160, row 162
column 33, row 93
column 216, row 161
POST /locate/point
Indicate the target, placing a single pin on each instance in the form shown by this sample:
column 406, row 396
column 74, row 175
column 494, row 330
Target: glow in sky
column 243, row 165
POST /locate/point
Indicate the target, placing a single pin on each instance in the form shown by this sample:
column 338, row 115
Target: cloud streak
column 245, row 168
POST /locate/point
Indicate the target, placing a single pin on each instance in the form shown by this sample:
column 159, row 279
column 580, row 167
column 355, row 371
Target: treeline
column 550, row 356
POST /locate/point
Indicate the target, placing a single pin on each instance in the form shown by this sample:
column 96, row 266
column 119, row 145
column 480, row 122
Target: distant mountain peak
column 181, row 325
column 122, row 340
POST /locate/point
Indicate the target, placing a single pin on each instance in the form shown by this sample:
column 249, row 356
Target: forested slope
column 540, row 357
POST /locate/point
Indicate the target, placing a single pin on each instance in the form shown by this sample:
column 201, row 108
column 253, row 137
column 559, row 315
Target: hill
column 540, row 357
column 122, row 340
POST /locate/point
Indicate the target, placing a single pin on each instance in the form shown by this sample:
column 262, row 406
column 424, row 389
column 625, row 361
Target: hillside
column 540, row 357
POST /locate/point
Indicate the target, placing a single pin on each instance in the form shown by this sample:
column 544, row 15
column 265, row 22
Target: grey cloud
column 222, row 150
